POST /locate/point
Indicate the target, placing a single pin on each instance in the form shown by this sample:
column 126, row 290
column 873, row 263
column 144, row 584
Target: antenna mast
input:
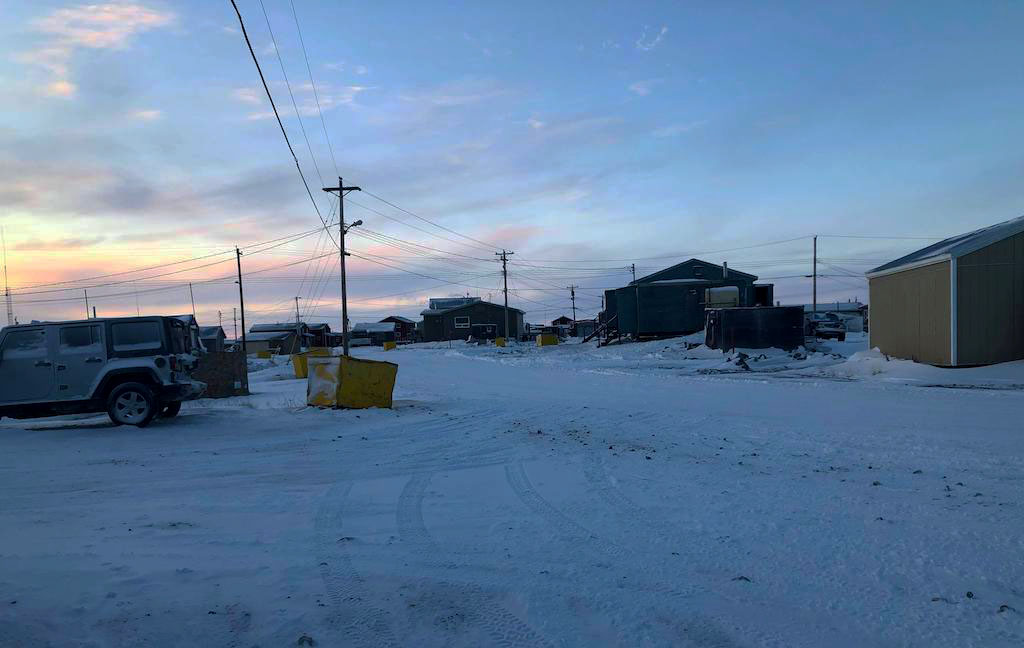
column 7, row 288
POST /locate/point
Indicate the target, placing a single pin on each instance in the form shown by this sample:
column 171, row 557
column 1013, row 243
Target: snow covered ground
column 644, row 494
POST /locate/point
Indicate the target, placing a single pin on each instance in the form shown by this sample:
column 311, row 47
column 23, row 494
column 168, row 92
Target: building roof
column 563, row 318
column 267, row 336
column 374, row 327
column 477, row 300
column 288, row 327
column 836, row 307
column 955, row 246
column 653, row 276
column 318, row 326
column 447, row 303
column 399, row 318
column 210, row 331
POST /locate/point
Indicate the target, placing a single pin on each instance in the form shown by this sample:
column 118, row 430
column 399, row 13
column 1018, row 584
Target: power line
column 487, row 246
column 277, row 115
column 316, row 95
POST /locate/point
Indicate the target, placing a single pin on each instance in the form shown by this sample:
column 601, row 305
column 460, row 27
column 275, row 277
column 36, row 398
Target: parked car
column 132, row 368
column 825, row 326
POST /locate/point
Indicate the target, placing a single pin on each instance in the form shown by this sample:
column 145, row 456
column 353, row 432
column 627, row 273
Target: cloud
column 329, row 97
column 361, row 69
column 643, row 88
column 335, row 66
column 146, row 115
column 535, row 123
column 674, row 130
column 646, row 43
column 59, row 244
column 108, row 26
column 248, row 95
column 458, row 93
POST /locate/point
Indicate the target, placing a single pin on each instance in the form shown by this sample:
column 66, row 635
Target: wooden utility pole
column 241, row 300
column 234, row 320
column 814, row 278
column 193, row 298
column 298, row 327
column 632, row 268
column 220, row 319
column 572, row 296
column 342, row 229
column 504, row 273
column 86, row 291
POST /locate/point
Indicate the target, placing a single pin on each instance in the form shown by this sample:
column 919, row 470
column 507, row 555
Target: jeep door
column 26, row 369
column 81, row 356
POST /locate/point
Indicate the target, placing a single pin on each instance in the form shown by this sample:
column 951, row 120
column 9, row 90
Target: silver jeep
column 133, row 368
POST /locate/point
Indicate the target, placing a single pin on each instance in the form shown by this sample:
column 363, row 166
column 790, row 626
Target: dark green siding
column 990, row 303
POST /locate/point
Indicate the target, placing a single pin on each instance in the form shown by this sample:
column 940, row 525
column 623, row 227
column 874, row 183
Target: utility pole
column 342, row 229
column 234, row 319
column 193, row 298
column 814, row 279
column 241, row 300
column 632, row 268
column 7, row 288
column 86, row 291
column 94, row 312
column 504, row 273
column 220, row 319
column 572, row 296
column 298, row 327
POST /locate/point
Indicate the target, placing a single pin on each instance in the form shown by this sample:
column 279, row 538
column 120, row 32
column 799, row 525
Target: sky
column 582, row 136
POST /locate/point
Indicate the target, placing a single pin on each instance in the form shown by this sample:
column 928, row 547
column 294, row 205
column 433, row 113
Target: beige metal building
column 959, row 302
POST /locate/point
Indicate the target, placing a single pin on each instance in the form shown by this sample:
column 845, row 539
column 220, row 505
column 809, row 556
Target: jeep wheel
column 131, row 404
column 171, row 410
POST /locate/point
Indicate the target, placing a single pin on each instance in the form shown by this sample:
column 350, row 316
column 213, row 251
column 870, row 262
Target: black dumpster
column 755, row 327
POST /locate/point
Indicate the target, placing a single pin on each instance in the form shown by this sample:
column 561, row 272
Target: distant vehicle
column 825, row 326
column 132, row 368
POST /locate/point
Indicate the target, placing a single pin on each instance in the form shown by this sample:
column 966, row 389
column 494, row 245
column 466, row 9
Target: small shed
column 958, row 302
column 273, row 341
column 672, row 301
column 376, row 332
column 301, row 337
column 564, row 320
column 456, row 323
column 405, row 328
column 213, row 338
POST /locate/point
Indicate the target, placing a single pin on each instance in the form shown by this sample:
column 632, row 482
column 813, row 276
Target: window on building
column 80, row 338
column 461, row 322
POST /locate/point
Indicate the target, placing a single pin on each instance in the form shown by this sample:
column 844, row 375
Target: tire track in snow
column 699, row 629
column 362, row 623
column 503, row 627
column 601, row 482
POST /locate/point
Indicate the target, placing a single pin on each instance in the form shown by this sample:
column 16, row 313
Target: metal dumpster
column 350, row 382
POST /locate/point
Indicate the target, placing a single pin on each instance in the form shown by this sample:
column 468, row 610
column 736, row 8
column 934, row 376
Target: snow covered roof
column 651, row 277
column 374, row 327
column 476, row 300
column 836, row 307
column 399, row 318
column 683, row 281
column 955, row 246
column 210, row 331
column 448, row 303
column 281, row 326
column 267, row 336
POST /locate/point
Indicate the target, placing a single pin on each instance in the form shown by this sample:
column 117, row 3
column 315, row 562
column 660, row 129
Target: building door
column 26, row 369
column 81, row 356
